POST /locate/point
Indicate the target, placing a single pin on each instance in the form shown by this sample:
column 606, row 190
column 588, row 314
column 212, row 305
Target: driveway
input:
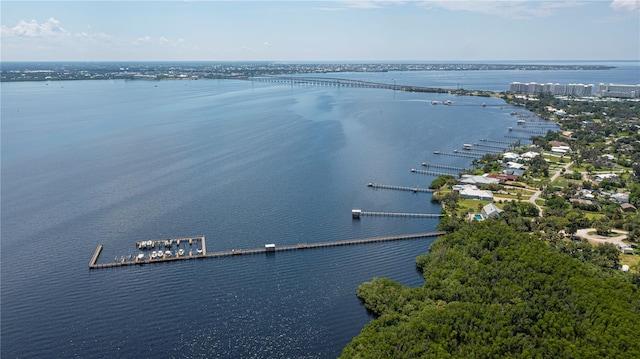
column 597, row 239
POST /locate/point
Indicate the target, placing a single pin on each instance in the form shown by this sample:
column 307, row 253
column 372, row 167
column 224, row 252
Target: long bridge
column 339, row 82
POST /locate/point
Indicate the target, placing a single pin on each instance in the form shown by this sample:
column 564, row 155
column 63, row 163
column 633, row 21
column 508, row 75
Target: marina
column 170, row 256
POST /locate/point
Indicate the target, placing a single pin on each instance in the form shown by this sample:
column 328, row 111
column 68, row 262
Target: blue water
column 243, row 163
column 623, row 72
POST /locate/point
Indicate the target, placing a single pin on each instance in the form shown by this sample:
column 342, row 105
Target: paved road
column 535, row 196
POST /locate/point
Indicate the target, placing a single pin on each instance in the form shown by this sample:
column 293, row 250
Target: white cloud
column 170, row 42
column 360, row 4
column 32, row 29
column 102, row 37
column 143, row 40
column 625, row 5
column 266, row 43
column 516, row 9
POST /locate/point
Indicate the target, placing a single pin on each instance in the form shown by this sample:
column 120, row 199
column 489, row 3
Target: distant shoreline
column 61, row 71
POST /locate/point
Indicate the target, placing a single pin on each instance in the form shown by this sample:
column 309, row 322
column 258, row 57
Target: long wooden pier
column 357, row 213
column 431, row 173
column 496, row 141
column 490, row 146
column 518, row 137
column 538, row 132
column 457, row 154
column 399, row 188
column 269, row 248
column 446, row 167
column 483, row 150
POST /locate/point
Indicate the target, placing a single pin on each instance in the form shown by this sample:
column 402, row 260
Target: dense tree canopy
column 493, row 292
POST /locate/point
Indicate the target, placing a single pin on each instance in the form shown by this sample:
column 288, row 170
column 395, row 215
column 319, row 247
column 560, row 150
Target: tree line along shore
column 522, row 283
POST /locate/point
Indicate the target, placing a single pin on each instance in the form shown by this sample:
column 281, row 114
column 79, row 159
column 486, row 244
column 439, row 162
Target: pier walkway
column 483, row 150
column 446, row 167
column 399, row 188
column 458, row 154
column 518, row 137
column 357, row 213
column 510, row 144
column 431, row 173
column 269, row 248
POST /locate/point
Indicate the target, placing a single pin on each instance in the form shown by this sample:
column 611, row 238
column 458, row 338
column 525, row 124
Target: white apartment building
column 622, row 91
column 580, row 90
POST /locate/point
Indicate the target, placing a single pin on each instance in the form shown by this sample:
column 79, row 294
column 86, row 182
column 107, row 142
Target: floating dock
column 399, row 188
column 268, row 248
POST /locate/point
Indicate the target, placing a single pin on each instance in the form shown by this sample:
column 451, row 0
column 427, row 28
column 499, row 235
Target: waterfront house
column 478, row 180
column 473, row 192
column 490, row 210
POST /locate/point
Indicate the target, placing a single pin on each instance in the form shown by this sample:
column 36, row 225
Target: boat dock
column 399, row 188
column 357, row 213
column 538, row 132
column 456, row 154
column 484, row 150
column 490, row 146
column 497, row 141
column 518, row 137
column 431, row 173
column 434, row 165
column 269, row 248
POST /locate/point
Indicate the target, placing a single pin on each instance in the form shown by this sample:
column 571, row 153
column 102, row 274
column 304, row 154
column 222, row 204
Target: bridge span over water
column 338, row 82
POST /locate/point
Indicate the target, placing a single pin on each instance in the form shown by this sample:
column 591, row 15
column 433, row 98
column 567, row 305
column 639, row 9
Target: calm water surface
column 245, row 164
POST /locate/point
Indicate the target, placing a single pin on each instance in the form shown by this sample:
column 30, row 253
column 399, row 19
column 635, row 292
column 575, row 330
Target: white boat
column 167, row 253
column 181, row 252
column 141, row 256
column 434, row 102
column 154, row 254
column 447, row 102
column 199, row 251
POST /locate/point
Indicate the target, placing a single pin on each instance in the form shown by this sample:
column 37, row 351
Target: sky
column 307, row 31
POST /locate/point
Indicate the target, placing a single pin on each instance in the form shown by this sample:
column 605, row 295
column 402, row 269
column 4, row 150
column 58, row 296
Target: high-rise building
column 621, row 91
column 580, row 90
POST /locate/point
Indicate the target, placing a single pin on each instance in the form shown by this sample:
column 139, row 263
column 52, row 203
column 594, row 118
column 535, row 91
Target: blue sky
column 320, row 30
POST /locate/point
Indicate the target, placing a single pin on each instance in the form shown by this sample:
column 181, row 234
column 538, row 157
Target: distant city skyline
column 377, row 30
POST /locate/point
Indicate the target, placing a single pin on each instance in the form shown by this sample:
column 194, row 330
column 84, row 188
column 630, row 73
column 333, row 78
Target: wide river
column 245, row 164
